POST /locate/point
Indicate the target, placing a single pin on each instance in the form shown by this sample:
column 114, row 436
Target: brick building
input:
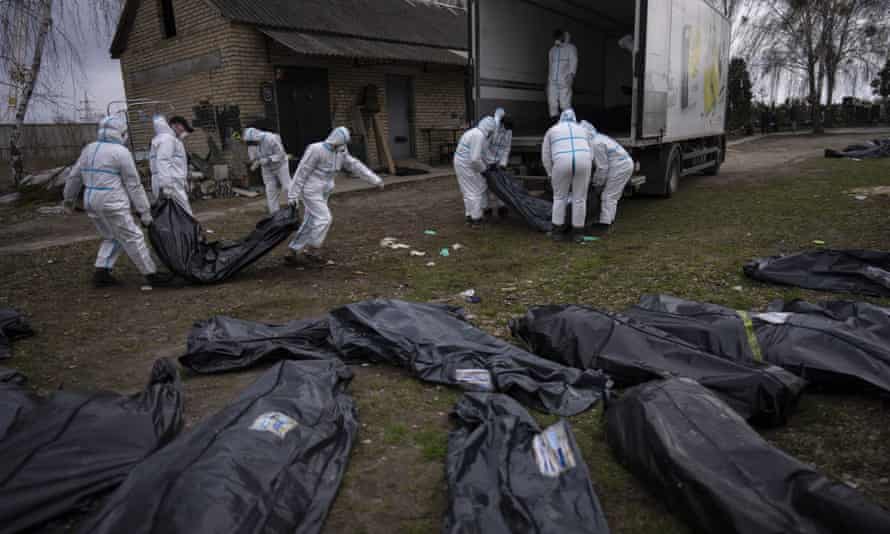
column 298, row 67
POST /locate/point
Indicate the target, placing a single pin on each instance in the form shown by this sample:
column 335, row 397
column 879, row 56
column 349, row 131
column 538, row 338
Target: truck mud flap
column 506, row 475
column 694, row 452
column 179, row 241
column 631, row 352
column 271, row 461
column 863, row 272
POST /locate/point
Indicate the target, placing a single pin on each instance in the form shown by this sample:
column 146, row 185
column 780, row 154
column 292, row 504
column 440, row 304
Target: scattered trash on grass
column 468, row 293
column 457, row 246
column 418, row 253
column 431, row 264
column 51, row 210
column 444, row 252
column 590, row 239
column 430, row 232
column 818, row 242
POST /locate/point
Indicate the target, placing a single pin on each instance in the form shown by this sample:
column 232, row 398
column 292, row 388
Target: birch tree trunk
column 16, row 159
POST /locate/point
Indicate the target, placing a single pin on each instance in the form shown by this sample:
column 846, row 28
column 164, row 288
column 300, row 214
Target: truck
column 663, row 98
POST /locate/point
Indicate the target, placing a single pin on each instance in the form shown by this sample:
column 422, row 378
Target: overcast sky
column 100, row 77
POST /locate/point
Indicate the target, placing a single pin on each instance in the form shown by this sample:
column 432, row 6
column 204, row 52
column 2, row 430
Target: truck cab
column 651, row 74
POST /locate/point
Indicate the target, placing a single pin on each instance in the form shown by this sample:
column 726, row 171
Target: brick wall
column 248, row 59
column 438, row 97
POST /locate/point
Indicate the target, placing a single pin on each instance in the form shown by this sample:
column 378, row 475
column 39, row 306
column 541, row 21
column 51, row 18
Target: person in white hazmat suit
column 313, row 184
column 565, row 154
column 563, row 67
column 271, row 156
column 497, row 154
column 614, row 167
column 107, row 173
column 168, row 160
column 469, row 164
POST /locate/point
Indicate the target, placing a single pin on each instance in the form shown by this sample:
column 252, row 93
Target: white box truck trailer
column 664, row 100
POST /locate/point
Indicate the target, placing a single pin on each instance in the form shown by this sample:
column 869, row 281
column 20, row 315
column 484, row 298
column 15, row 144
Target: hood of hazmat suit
column 488, row 126
column 339, row 137
column 107, row 172
column 169, row 165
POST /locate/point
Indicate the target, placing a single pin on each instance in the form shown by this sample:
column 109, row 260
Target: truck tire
column 662, row 171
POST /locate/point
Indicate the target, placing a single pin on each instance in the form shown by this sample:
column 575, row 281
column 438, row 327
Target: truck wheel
column 672, row 174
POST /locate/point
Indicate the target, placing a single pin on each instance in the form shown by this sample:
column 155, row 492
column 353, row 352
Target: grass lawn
column 692, row 246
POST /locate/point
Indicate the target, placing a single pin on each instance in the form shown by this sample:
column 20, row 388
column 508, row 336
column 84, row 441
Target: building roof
column 393, row 21
column 354, row 47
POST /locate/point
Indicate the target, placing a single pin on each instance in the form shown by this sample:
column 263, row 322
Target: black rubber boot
column 159, row 279
column 578, row 234
column 487, row 213
column 103, row 278
column 558, row 233
column 503, row 212
column 468, row 220
column 475, row 224
column 600, row 229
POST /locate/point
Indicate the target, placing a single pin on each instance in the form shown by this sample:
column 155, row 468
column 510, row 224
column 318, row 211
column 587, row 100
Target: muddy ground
column 774, row 195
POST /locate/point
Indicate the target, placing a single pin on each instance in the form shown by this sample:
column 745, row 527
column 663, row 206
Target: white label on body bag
column 552, row 450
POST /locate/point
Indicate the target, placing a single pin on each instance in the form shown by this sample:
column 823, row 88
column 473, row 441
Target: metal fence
column 49, row 142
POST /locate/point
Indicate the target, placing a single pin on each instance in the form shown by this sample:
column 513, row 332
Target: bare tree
column 855, row 35
column 39, row 43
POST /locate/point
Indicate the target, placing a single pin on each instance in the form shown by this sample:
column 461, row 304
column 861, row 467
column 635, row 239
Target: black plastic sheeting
column 709, row 327
column 180, row 243
column 537, row 212
column 59, row 452
column 879, row 148
column 271, row 461
column 433, row 342
column 505, row 475
column 12, row 326
column 222, row 344
column 696, row 454
column 631, row 353
column 863, row 272
column 835, row 345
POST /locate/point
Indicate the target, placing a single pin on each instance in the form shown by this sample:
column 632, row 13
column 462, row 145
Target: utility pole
column 86, row 109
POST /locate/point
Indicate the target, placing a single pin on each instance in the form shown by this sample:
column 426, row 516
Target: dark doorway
column 399, row 106
column 304, row 115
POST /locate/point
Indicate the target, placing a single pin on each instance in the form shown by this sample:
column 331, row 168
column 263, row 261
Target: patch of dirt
column 764, row 158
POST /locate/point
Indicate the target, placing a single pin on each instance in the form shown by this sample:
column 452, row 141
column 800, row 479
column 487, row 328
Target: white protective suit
column 497, row 153
column 272, row 158
column 469, row 164
column 314, row 181
column 614, row 168
column 169, row 165
column 565, row 154
column 563, row 67
column 108, row 173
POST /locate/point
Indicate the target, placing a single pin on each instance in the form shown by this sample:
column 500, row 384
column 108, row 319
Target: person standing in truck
column 563, row 66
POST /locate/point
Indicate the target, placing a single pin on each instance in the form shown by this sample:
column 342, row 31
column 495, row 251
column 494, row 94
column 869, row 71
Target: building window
column 167, row 18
